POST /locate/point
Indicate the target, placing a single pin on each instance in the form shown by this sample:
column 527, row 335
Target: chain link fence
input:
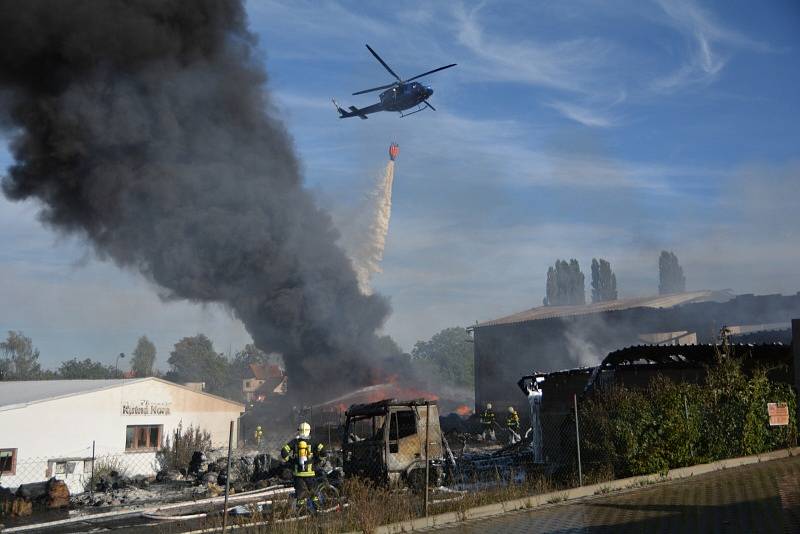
column 85, row 469
column 392, row 461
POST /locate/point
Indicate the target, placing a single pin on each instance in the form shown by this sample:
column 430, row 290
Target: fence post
column 686, row 411
column 91, row 476
column 427, row 461
column 578, row 440
column 227, row 481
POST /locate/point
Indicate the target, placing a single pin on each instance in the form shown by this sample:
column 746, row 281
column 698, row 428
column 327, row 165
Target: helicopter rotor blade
column 429, row 105
column 375, row 89
column 430, row 72
column 384, row 64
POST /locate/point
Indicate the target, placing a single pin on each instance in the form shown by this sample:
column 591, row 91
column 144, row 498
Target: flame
column 464, row 410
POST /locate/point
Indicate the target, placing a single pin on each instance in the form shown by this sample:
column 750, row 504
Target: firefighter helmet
column 488, row 405
column 510, row 409
column 304, row 430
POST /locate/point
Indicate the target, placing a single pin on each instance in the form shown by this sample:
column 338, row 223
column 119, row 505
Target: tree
column 86, row 369
column 144, row 356
column 604, row 281
column 21, row 360
column 194, row 360
column 565, row 284
column 450, row 355
column 670, row 274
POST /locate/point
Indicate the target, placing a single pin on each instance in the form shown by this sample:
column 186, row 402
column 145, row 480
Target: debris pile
column 51, row 494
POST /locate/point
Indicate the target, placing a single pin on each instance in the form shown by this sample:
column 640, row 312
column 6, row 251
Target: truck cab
column 385, row 441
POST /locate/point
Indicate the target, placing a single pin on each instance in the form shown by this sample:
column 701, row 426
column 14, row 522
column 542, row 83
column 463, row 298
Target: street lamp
column 116, row 364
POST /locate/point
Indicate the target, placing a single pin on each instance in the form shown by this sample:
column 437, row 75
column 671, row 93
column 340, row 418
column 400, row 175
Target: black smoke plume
column 144, row 126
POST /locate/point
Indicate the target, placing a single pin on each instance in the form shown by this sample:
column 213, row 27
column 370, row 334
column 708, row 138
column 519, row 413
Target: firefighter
column 304, row 456
column 512, row 422
column 488, row 422
column 258, row 434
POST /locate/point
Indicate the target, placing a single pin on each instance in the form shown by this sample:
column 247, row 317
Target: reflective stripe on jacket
column 487, row 417
column 513, row 421
column 303, row 456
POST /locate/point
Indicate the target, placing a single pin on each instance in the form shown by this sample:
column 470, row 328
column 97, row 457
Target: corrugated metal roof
column 551, row 312
column 16, row 394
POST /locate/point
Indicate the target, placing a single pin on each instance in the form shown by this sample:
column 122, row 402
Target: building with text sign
column 54, row 428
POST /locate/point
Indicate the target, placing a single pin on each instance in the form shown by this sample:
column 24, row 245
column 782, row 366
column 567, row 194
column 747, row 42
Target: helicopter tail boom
column 354, row 112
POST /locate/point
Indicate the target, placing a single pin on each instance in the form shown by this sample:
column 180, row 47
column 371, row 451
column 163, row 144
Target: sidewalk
column 763, row 497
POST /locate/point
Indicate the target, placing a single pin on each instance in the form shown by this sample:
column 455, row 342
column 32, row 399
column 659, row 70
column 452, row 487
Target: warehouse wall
column 66, row 427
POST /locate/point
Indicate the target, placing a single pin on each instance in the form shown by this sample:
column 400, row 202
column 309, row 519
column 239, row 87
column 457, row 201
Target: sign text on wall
column 145, row 407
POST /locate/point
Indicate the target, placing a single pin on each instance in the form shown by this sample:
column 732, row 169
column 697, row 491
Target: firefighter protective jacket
column 487, row 418
column 303, row 456
column 513, row 421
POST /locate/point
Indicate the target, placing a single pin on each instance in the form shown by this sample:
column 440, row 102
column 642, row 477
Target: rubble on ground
column 205, row 477
column 52, row 494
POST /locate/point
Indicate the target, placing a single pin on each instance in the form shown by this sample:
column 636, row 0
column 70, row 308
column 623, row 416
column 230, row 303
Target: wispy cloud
column 705, row 61
column 583, row 115
column 567, row 64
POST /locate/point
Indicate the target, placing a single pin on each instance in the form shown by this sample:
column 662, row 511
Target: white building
column 48, row 427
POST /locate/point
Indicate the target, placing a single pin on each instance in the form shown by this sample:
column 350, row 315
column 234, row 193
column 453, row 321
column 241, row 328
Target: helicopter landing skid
column 420, row 108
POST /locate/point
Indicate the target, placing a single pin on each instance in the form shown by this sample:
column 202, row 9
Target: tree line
column 446, row 358
column 565, row 282
column 193, row 359
column 20, row 361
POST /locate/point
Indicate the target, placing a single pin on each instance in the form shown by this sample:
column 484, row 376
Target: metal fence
column 79, row 469
column 395, row 461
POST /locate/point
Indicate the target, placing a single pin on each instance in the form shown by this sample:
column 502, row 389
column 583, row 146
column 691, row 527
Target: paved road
column 756, row 498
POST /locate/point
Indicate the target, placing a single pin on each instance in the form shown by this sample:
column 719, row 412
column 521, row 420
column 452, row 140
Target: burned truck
column 385, row 441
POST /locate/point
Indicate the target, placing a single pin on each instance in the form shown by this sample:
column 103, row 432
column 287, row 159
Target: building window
column 143, row 437
column 8, row 461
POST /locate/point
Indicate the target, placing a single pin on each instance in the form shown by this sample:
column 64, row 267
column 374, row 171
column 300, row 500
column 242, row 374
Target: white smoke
column 368, row 254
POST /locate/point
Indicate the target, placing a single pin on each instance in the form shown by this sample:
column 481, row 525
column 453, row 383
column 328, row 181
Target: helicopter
column 399, row 96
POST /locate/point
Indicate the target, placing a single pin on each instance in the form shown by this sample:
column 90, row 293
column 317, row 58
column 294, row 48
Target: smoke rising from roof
column 143, row 126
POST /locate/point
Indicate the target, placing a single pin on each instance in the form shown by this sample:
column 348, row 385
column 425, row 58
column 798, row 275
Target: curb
column 534, row 501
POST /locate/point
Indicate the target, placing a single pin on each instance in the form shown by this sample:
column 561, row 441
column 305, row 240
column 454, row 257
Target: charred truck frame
column 385, row 441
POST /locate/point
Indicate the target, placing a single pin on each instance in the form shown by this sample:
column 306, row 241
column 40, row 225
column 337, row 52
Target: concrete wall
column 66, row 427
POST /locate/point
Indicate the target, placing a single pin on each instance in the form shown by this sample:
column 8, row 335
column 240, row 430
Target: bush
column 103, row 469
column 669, row 425
column 177, row 452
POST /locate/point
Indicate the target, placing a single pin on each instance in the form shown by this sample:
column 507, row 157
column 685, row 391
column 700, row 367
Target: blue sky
column 569, row 129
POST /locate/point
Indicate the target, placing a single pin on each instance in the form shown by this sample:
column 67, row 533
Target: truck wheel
column 416, row 480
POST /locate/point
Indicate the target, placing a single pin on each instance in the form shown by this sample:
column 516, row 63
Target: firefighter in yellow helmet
column 258, row 434
column 512, row 422
column 304, row 456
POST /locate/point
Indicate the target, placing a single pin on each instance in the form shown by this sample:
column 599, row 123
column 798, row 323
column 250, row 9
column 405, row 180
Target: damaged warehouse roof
column 704, row 354
column 659, row 301
column 775, row 357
